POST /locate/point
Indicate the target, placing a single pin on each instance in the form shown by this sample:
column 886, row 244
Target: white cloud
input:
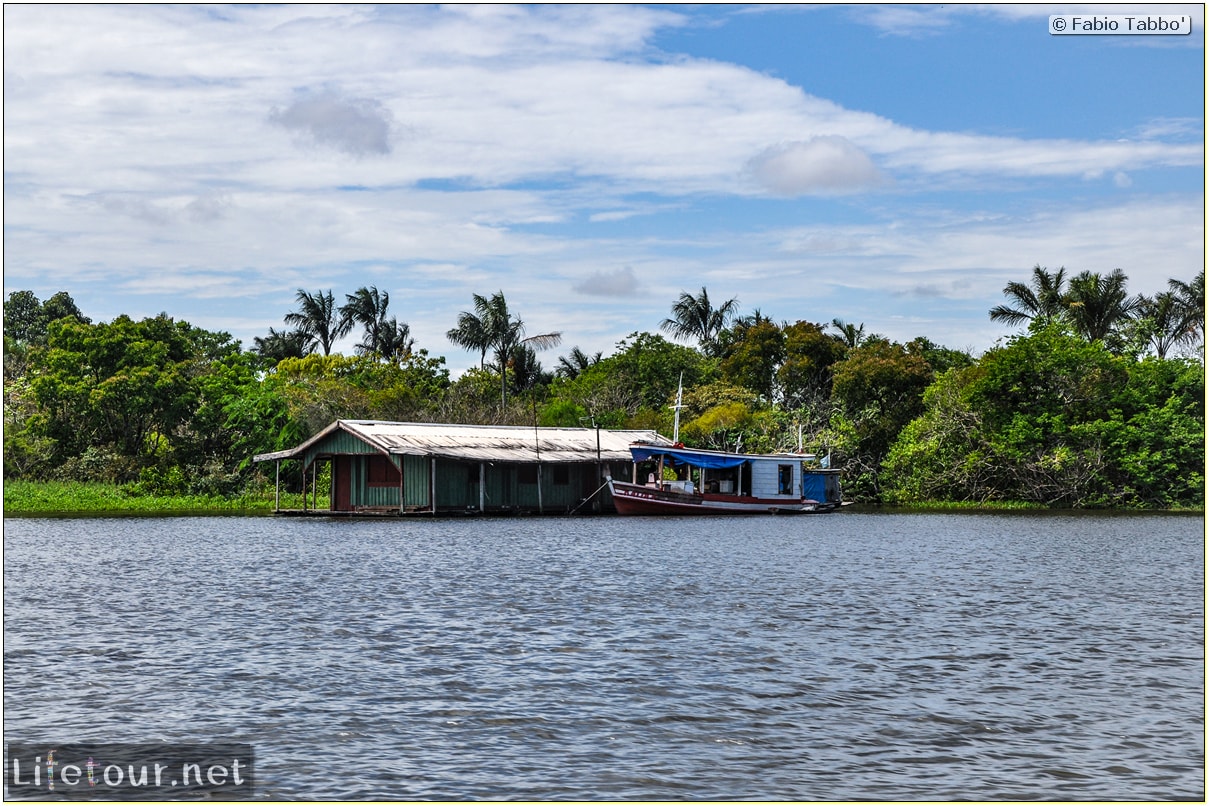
column 612, row 215
column 1181, row 128
column 619, row 283
column 821, row 165
column 898, row 20
column 1151, row 239
column 458, row 150
column 130, row 116
column 941, row 153
column 357, row 126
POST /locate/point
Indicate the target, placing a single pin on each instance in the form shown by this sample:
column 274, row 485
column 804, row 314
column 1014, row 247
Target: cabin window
column 562, row 475
column 785, row 479
column 381, row 472
column 526, row 474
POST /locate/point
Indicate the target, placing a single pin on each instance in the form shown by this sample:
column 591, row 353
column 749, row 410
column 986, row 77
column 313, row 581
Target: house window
column 526, row 474
column 785, row 479
column 562, row 475
column 381, row 472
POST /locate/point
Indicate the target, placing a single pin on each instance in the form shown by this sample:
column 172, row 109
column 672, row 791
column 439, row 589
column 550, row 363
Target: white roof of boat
column 483, row 443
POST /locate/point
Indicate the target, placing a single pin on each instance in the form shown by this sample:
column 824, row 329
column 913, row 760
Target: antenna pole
column 679, row 405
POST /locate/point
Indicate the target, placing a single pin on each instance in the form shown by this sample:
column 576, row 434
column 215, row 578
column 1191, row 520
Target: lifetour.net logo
column 163, row 772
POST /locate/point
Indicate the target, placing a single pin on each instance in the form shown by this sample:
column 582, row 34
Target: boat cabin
column 688, row 481
column 763, row 476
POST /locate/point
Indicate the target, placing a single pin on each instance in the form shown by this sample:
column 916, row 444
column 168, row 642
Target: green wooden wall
column 507, row 487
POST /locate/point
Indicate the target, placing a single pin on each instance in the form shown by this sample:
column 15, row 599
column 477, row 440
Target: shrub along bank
column 158, row 415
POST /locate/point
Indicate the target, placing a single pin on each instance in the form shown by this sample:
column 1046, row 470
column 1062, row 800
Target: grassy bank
column 966, row 506
column 62, row 497
column 1012, row 506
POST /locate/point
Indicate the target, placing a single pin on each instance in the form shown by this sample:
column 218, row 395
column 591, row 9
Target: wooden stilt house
column 434, row 468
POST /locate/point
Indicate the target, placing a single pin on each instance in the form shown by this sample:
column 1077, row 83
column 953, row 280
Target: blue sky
column 894, row 166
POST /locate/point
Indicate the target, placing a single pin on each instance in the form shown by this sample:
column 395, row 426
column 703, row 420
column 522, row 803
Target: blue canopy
column 679, row 456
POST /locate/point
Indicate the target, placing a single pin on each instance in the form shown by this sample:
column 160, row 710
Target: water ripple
column 852, row 657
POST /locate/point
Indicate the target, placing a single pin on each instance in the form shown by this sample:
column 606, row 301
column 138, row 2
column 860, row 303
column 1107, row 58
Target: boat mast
column 679, row 405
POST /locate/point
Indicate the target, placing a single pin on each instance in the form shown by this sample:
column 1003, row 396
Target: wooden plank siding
column 766, row 481
column 338, row 442
column 513, row 487
column 361, row 494
column 362, row 482
column 416, row 481
column 507, row 487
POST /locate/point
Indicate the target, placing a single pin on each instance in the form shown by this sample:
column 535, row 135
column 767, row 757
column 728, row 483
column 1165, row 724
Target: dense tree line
column 1098, row 401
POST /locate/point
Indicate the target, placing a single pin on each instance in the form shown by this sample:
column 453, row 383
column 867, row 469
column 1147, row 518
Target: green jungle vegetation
column 1096, row 401
column 94, row 498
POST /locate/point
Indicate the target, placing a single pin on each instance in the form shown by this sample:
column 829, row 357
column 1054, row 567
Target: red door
column 342, row 469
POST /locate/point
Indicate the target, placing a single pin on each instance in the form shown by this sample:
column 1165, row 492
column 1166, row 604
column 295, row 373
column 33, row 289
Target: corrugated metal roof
column 484, row 443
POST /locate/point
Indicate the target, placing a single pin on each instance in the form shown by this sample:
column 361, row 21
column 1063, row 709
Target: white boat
column 720, row 483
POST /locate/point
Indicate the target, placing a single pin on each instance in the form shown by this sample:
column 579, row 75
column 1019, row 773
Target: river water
column 837, row 657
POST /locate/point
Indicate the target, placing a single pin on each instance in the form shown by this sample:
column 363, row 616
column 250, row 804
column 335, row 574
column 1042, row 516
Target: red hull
column 638, row 499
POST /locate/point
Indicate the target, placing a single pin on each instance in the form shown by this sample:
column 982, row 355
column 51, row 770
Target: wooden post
column 432, row 486
column 540, row 510
column 482, row 487
column 537, row 447
column 277, row 489
column 315, row 485
column 304, row 487
column 400, row 484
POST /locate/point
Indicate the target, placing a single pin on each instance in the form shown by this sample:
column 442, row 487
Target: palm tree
column 569, row 366
column 1190, row 301
column 394, row 340
column 367, row 307
column 1042, row 302
column 526, row 369
column 317, row 316
column 278, row 345
column 756, row 317
column 1098, row 304
column 493, row 327
column 508, row 333
column 472, row 332
column 1161, row 321
column 850, row 335
column 696, row 318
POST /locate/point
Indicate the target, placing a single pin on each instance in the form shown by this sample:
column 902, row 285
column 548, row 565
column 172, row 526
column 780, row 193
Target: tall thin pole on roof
column 679, row 405
column 600, row 471
column 537, row 443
